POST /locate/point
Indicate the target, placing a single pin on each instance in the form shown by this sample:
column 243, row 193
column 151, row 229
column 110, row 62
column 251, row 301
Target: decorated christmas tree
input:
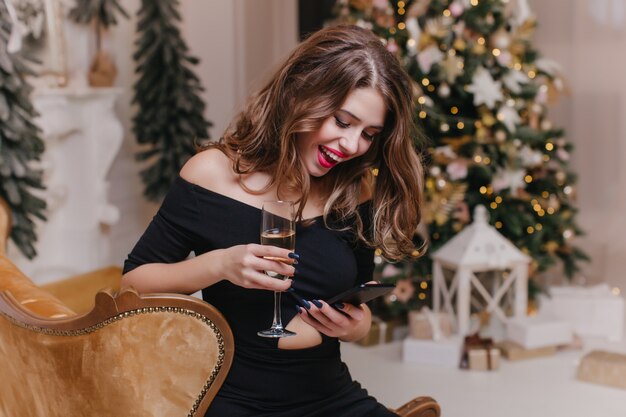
column 170, row 115
column 482, row 91
column 20, row 143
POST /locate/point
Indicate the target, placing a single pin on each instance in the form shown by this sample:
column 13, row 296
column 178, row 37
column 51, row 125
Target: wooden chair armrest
column 420, row 407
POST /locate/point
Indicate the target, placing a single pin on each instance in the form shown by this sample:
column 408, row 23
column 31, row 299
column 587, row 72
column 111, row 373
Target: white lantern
column 479, row 248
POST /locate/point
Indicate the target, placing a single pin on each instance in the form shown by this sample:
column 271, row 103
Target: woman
column 339, row 109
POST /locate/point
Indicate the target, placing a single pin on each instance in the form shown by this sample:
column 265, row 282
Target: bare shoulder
column 209, row 169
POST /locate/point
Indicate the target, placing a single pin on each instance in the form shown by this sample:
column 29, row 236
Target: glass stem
column 277, row 323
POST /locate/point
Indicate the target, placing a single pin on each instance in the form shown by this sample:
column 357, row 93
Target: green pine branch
column 20, row 145
column 103, row 11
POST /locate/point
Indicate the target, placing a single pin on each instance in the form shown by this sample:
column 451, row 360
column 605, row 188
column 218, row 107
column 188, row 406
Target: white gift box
column 593, row 311
column 539, row 331
column 443, row 352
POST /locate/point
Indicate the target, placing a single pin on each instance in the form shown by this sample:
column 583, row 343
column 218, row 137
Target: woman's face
column 345, row 135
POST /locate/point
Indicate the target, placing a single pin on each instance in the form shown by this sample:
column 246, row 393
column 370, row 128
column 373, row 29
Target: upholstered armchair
column 132, row 355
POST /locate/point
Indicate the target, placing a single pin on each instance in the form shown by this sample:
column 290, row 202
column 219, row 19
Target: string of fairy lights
column 454, row 119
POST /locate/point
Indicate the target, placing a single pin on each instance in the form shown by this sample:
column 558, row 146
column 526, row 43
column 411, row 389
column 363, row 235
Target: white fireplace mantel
column 82, row 136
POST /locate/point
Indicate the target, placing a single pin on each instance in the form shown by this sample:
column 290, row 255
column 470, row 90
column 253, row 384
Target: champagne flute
column 278, row 229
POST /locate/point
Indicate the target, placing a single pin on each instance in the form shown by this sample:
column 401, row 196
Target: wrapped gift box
column 515, row 352
column 381, row 332
column 484, row 359
column 593, row 311
column 606, row 368
column 444, row 352
column 539, row 331
column 426, row 324
column 479, row 354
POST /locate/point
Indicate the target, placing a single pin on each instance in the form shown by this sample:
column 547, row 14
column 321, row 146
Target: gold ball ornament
column 482, row 134
column 479, row 49
column 459, row 44
column 488, row 119
column 551, row 246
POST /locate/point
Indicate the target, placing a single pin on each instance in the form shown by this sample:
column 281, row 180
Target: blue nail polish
column 339, row 305
column 317, row 303
column 293, row 255
column 304, row 303
column 299, row 310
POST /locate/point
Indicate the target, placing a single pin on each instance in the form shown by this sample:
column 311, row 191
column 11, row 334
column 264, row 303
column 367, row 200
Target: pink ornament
column 381, row 4
column 404, row 290
column 562, row 154
column 456, row 9
column 392, row 46
column 457, row 170
column 390, row 271
column 504, row 59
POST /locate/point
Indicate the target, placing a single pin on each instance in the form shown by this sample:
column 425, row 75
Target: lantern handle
column 481, row 216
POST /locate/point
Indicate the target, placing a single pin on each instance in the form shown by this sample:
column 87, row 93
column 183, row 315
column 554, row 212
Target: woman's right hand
column 243, row 265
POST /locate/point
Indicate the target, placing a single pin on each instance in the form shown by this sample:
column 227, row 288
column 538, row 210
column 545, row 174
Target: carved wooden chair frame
column 110, row 308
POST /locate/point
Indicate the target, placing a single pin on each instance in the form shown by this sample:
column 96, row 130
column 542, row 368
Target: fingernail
column 298, row 309
column 299, row 299
column 295, row 262
column 317, row 303
column 293, row 255
column 339, row 305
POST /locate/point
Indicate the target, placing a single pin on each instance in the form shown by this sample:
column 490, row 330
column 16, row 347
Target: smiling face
column 346, row 134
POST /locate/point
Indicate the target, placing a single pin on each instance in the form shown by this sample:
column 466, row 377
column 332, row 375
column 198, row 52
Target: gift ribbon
column 433, row 320
column 475, row 341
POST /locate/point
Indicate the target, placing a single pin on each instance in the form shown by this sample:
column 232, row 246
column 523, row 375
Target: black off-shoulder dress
column 265, row 380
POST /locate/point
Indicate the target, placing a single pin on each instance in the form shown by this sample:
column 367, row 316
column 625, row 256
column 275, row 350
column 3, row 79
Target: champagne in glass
column 283, row 239
column 278, row 229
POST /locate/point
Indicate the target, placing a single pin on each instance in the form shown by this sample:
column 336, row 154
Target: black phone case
column 361, row 294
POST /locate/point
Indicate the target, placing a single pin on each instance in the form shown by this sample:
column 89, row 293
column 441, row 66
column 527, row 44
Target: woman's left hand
column 348, row 323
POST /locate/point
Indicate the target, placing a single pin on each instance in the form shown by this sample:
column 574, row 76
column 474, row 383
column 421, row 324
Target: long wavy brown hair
column 307, row 89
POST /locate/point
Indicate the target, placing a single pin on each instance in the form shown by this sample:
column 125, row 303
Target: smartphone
column 361, row 294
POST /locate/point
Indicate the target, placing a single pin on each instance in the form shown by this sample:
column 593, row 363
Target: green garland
column 170, row 115
column 20, row 144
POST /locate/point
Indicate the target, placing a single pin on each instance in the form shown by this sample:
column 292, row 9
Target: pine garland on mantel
column 170, row 111
column 20, row 144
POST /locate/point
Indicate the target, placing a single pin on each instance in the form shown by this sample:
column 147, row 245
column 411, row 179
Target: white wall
column 238, row 42
column 588, row 38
